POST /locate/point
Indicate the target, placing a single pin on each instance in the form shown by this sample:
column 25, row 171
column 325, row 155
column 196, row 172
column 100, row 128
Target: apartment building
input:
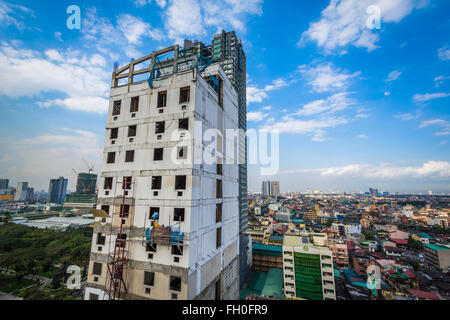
column 308, row 270
column 167, row 225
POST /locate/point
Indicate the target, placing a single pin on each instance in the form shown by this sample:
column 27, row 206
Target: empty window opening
column 127, row 183
column 125, row 210
column 180, row 182
column 134, row 104
column 114, row 133
column 160, row 127
column 218, row 238
column 156, row 183
column 132, row 131
column 97, row 270
column 129, row 156
column 121, row 241
column 177, row 250
column 175, row 284
column 101, row 239
column 116, row 108
column 182, row 153
column 178, row 214
column 151, row 247
column 185, row 94
column 218, row 212
column 105, row 208
column 111, row 157
column 149, row 278
column 108, row 183
column 183, row 124
column 158, row 154
column 162, row 99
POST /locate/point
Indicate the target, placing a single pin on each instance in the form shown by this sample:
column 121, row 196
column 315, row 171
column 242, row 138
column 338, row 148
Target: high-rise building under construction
column 168, row 220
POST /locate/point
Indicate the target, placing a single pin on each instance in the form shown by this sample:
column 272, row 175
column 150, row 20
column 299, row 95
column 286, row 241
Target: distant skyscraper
column 373, row 192
column 30, row 194
column 21, row 191
column 57, row 190
column 4, row 184
column 270, row 188
column 86, row 183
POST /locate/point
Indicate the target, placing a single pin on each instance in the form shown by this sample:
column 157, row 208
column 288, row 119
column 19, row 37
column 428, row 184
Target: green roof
column 273, row 287
column 256, row 282
column 436, row 247
column 268, row 248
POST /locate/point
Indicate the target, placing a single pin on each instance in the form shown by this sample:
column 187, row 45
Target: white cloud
column 444, row 53
column 255, row 94
column 362, row 136
column 443, row 124
column 141, row 3
column 429, row 170
column 439, row 80
column 387, row 93
column 12, row 14
column 344, row 22
column 191, row 18
column 37, row 159
column 406, row 116
column 82, row 79
column 134, row 29
column 419, row 98
column 326, row 77
column 336, row 102
column 256, row 116
column 393, row 75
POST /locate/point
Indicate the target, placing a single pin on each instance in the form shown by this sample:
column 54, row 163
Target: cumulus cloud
column 431, row 170
column 444, row 53
column 420, row 98
column 81, row 79
column 326, row 77
column 393, row 75
column 344, row 22
column 337, row 102
column 256, row 116
column 255, row 94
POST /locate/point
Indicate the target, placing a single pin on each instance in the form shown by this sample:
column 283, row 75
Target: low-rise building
column 437, row 255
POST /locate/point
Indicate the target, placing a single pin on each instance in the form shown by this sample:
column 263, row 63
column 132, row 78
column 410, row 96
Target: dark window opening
column 183, row 124
column 162, row 99
column 129, row 156
column 177, row 250
column 121, row 241
column 158, row 154
column 97, row 269
column 151, row 247
column 149, row 278
column 101, row 239
column 108, row 183
column 114, row 133
column 116, row 108
column 127, row 183
column 218, row 290
column 111, row 157
column 180, row 182
column 218, row 189
column 125, row 210
column 132, row 131
column 185, row 94
column 178, row 214
column 175, row 284
column 218, row 212
column 219, row 238
column 105, row 208
column 93, row 296
column 134, row 104
column 182, row 153
column 156, row 183
column 160, row 127
column 153, row 211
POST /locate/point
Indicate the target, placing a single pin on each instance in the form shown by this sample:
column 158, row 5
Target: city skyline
column 355, row 110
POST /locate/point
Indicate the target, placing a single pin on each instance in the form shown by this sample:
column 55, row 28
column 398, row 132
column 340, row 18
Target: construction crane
column 90, row 168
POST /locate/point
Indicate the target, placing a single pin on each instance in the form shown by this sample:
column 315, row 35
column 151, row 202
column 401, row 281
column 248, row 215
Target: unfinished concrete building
column 168, row 229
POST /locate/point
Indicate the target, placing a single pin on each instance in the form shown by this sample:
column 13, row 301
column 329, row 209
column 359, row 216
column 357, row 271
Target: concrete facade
column 205, row 265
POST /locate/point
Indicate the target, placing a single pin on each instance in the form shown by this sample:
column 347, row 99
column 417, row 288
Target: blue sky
column 356, row 107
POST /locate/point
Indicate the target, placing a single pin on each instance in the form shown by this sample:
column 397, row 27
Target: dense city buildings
column 57, row 190
column 175, row 219
column 270, row 188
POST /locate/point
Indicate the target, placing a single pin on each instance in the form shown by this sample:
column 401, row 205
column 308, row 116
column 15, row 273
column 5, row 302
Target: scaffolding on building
column 117, row 266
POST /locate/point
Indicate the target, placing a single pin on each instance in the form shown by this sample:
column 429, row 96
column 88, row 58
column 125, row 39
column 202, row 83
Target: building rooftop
column 437, row 247
column 273, row 286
